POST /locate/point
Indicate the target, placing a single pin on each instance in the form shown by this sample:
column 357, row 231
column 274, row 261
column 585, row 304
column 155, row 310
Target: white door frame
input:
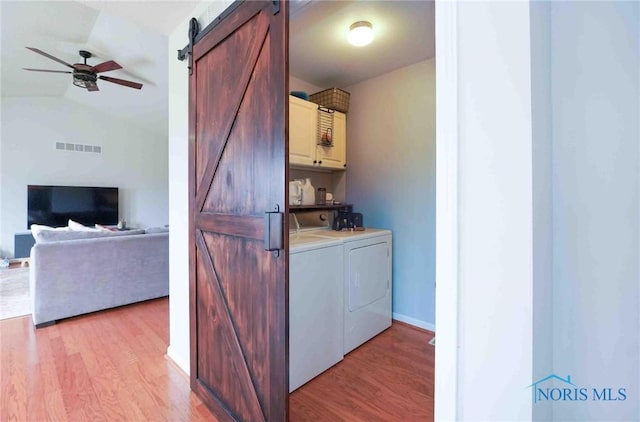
column 446, row 366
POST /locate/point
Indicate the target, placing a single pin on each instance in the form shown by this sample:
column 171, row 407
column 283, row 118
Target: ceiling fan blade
column 121, row 82
column 43, row 70
column 91, row 86
column 106, row 66
column 35, row 50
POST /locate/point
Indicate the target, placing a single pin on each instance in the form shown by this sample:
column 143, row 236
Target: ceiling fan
column 84, row 75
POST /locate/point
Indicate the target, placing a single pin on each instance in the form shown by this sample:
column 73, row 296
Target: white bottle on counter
column 308, row 193
column 295, row 192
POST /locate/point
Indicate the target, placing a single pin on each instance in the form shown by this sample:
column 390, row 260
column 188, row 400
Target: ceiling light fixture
column 360, row 33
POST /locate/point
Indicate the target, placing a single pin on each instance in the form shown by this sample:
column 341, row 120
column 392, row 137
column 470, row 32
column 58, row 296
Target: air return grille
column 65, row 146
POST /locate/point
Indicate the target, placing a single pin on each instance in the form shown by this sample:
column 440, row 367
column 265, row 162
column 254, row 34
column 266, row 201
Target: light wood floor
column 111, row 366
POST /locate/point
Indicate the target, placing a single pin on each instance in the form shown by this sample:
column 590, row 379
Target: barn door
column 238, row 251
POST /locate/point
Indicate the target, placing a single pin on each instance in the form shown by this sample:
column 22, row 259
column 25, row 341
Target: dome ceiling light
column 360, row 33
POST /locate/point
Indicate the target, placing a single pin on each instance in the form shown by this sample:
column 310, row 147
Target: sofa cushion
column 156, row 230
column 56, row 236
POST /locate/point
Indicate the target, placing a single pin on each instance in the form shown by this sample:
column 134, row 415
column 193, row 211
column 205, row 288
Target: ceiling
column 122, row 31
column 319, row 53
column 134, row 34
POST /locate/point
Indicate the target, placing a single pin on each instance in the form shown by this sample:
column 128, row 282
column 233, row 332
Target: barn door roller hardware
column 195, row 34
column 194, row 28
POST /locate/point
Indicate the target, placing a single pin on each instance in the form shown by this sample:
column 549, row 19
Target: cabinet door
column 335, row 156
column 303, row 119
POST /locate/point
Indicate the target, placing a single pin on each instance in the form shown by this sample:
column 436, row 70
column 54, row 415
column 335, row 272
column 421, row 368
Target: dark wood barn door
column 237, row 164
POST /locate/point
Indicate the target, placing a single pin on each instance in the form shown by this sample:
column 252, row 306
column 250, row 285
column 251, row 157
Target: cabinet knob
column 345, row 165
column 315, row 161
column 320, row 162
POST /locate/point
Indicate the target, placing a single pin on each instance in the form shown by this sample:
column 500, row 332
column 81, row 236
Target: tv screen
column 56, row 205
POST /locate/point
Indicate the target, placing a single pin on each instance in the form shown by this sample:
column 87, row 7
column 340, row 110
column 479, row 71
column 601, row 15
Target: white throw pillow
column 37, row 228
column 75, row 226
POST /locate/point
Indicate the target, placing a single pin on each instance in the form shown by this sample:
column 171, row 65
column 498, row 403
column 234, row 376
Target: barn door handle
column 273, row 227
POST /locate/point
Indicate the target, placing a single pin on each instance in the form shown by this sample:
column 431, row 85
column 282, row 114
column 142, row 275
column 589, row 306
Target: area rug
column 14, row 293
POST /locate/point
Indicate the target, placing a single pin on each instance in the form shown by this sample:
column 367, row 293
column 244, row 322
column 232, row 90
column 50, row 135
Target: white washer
column 367, row 283
column 315, row 306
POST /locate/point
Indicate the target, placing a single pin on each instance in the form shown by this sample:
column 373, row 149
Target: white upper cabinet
column 303, row 122
column 305, row 146
column 334, row 156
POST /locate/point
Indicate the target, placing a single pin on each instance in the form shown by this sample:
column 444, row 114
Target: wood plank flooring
column 389, row 378
column 111, row 366
column 106, row 366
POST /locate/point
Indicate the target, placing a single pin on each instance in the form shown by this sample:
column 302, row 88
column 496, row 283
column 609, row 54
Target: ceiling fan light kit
column 84, row 75
column 360, row 33
column 84, row 80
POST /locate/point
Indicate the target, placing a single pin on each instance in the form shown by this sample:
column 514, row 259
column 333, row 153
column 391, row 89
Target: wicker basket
column 333, row 98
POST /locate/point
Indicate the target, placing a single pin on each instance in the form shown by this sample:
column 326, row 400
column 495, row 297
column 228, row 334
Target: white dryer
column 367, row 283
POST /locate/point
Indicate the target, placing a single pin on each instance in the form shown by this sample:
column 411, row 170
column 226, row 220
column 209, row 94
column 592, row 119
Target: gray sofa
column 73, row 273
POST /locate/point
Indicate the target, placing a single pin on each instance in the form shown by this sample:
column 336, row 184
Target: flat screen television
column 56, row 205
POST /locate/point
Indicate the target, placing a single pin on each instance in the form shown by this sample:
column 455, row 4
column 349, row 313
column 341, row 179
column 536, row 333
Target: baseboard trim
column 415, row 322
column 180, row 363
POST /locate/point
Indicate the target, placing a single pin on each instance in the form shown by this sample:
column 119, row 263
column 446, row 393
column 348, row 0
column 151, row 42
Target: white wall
column 542, row 200
column 495, row 222
column 132, row 159
column 595, row 75
column 391, row 178
column 178, row 349
column 3, row 252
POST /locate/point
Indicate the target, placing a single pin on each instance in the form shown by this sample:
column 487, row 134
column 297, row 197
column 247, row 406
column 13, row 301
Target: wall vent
column 66, row 146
